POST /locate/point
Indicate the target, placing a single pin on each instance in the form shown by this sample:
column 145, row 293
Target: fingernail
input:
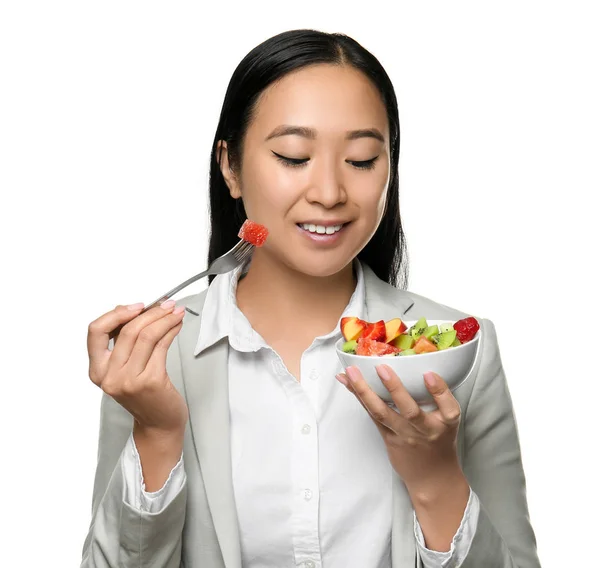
column 342, row 379
column 352, row 374
column 429, row 378
column 383, row 372
column 167, row 304
column 137, row 306
column 179, row 309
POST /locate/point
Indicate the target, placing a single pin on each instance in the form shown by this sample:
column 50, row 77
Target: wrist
column 166, row 441
column 440, row 505
column 437, row 487
column 159, row 452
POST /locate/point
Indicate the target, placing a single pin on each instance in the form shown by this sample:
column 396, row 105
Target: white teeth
column 321, row 229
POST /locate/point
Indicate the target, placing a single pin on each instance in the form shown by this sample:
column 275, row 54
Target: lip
column 330, row 223
column 323, row 238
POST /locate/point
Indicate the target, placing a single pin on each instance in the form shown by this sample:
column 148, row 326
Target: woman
column 224, row 440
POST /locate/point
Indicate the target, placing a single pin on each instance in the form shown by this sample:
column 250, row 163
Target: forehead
column 329, row 98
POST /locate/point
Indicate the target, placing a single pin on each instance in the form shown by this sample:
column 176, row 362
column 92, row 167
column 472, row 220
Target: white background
column 107, row 115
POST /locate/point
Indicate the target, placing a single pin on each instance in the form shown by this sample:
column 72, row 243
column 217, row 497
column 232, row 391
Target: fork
column 225, row 263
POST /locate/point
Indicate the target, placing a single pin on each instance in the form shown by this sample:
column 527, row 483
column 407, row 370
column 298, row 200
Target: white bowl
column 453, row 365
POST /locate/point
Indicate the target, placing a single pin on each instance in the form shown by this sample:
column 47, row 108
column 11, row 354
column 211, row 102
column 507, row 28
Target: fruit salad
column 395, row 338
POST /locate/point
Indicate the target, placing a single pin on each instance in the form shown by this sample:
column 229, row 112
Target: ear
column 228, row 174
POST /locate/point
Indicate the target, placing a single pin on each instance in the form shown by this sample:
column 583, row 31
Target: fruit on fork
column 254, row 233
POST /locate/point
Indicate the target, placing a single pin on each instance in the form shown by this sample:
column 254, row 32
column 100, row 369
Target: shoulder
column 382, row 298
column 424, row 306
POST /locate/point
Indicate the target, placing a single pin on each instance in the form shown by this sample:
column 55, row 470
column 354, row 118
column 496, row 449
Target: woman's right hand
column 134, row 373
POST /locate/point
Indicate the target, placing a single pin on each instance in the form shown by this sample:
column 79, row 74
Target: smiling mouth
column 321, row 229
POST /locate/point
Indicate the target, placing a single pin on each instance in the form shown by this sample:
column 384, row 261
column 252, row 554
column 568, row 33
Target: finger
column 376, row 407
column 406, row 404
column 343, row 378
column 129, row 334
column 98, row 330
column 383, row 430
column 447, row 404
column 148, row 339
column 158, row 359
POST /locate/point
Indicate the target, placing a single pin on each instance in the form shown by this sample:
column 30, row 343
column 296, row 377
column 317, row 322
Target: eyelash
column 299, row 162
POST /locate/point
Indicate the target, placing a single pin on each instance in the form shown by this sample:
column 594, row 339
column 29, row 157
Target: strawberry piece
column 365, row 346
column 254, row 233
column 375, row 331
column 466, row 329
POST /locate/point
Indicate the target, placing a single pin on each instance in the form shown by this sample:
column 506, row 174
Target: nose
column 326, row 186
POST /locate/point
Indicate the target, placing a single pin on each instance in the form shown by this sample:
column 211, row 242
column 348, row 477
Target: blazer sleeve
column 120, row 535
column 504, row 537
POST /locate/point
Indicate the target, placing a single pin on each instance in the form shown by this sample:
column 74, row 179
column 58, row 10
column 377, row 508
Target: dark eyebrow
column 286, row 130
column 365, row 133
column 311, row 133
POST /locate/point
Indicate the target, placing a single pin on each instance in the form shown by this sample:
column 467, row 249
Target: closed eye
column 364, row 164
column 299, row 162
column 290, row 162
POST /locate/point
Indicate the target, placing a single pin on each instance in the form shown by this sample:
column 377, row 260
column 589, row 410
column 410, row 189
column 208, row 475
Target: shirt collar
column 221, row 316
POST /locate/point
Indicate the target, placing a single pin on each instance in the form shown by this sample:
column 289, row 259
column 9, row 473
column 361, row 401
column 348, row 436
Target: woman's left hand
column 421, row 445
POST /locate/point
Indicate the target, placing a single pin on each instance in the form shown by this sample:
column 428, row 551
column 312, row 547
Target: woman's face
column 315, row 156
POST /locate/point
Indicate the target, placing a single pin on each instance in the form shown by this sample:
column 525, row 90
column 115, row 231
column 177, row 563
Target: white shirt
column 311, row 475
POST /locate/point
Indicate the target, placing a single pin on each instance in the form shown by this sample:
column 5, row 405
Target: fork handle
column 113, row 334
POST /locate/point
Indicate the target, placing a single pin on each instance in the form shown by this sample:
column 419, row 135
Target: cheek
column 372, row 197
column 267, row 188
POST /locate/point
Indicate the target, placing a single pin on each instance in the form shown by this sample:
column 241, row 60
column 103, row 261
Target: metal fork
column 225, row 263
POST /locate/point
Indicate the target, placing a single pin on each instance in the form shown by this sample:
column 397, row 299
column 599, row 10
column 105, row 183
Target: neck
column 273, row 293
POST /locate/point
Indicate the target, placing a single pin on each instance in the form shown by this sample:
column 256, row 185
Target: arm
column 121, row 535
column 461, row 542
column 504, row 537
column 135, row 488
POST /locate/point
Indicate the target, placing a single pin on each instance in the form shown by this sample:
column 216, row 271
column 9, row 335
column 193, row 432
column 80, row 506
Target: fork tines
column 242, row 250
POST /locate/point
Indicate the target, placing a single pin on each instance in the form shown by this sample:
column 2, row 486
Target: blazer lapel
column 383, row 302
column 207, row 390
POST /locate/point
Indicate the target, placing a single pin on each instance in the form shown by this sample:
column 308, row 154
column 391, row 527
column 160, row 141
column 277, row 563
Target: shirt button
column 310, row 564
column 307, row 494
column 306, row 429
column 314, row 375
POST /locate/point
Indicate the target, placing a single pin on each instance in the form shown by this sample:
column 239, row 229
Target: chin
column 319, row 266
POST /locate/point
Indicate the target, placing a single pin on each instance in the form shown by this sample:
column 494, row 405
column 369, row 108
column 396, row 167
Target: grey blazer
column 199, row 528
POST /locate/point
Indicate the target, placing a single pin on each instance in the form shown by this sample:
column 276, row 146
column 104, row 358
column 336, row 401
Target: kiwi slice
column 404, row 341
column 446, row 327
column 349, row 346
column 408, row 352
column 456, row 343
column 418, row 328
column 444, row 340
column 430, row 331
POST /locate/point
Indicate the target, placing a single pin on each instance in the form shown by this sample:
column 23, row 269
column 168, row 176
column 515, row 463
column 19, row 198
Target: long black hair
column 386, row 253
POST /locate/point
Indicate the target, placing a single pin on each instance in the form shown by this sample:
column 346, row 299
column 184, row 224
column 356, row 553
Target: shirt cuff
column 135, row 489
column 461, row 543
